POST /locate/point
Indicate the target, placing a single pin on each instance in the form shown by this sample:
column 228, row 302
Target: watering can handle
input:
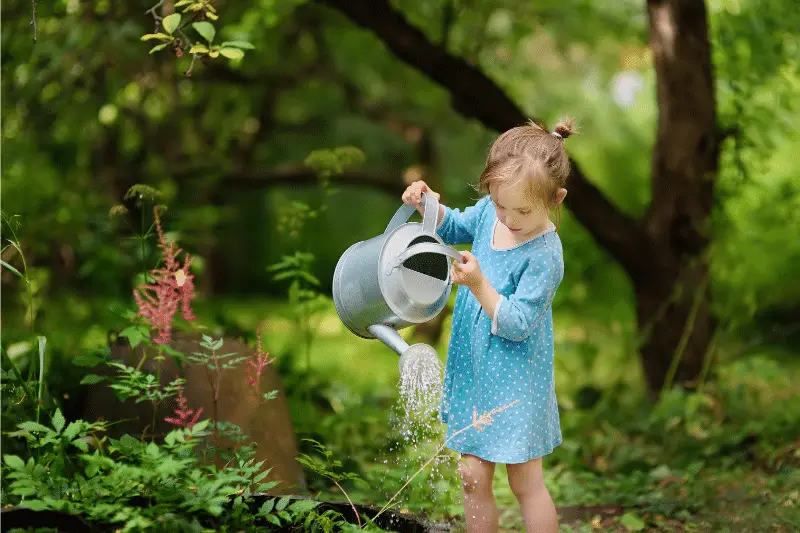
column 423, row 248
column 429, row 219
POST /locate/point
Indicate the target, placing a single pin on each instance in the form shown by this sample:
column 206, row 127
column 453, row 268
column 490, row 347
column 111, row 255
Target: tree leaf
column 171, row 22
column 12, row 269
column 205, row 29
column 160, row 36
column 158, row 47
column 239, row 44
column 231, row 53
column 14, row 462
column 91, row 379
column 198, row 48
column 58, row 421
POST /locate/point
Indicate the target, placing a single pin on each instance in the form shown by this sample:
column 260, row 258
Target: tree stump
column 265, row 422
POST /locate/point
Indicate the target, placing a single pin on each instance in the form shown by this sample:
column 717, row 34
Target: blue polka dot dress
column 492, row 362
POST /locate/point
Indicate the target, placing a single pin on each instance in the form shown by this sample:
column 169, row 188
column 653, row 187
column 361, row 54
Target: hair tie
column 555, row 134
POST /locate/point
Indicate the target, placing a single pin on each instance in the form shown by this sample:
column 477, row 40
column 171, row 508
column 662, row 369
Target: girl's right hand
column 413, row 193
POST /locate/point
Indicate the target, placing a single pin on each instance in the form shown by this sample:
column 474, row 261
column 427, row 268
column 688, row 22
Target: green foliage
column 109, row 482
column 211, row 359
column 327, row 466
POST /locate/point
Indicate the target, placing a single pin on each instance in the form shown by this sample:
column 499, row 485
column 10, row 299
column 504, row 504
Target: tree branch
column 33, row 19
column 475, row 95
column 260, row 178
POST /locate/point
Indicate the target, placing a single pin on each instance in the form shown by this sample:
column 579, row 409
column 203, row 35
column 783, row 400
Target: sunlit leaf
column 205, row 29
column 239, row 44
column 231, row 53
column 158, row 47
column 171, row 22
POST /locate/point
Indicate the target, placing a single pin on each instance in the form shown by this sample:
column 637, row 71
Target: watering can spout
column 389, row 336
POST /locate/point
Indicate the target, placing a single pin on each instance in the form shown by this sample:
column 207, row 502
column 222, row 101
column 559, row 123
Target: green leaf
column 274, row 519
column 303, row 506
column 81, row 444
column 198, row 48
column 23, row 490
column 14, row 462
column 231, row 53
column 58, row 421
column 266, row 507
column 34, row 505
column 632, row 522
column 239, row 44
column 282, row 503
column 267, row 486
column 271, row 395
column 136, row 334
column 159, row 36
column 205, row 29
column 12, row 269
column 152, row 449
column 182, row 3
column 285, row 515
column 92, row 379
column 171, row 22
column 661, row 472
column 200, row 426
column 33, row 426
column 72, row 430
column 89, row 359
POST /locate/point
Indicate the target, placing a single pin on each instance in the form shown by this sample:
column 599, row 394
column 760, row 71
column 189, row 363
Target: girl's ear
column 560, row 195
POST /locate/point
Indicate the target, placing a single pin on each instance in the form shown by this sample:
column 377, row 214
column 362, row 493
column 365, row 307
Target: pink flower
column 183, row 415
column 256, row 365
column 173, row 286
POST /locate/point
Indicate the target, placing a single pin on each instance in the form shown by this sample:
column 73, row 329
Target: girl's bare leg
column 527, row 484
column 480, row 511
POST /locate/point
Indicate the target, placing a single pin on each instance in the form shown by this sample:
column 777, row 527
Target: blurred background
column 680, row 404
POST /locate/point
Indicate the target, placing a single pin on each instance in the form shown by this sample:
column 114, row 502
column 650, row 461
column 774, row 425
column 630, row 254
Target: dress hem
column 505, row 459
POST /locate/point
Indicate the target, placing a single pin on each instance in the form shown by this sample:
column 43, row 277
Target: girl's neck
column 541, row 228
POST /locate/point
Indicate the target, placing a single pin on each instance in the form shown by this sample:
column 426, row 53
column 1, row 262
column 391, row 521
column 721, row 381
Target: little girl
column 501, row 343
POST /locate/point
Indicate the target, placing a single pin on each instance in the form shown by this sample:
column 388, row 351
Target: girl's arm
column 456, row 227
column 514, row 317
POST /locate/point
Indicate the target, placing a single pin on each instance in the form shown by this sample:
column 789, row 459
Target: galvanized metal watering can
column 395, row 280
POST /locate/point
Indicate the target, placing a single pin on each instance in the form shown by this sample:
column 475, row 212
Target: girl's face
column 517, row 213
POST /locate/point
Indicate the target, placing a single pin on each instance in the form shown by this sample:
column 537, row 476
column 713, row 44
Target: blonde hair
column 532, row 154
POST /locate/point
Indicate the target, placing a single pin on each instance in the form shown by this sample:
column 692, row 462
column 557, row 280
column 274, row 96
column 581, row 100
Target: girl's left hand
column 468, row 272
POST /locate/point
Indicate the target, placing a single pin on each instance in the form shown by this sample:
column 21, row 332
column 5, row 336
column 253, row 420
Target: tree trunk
column 673, row 299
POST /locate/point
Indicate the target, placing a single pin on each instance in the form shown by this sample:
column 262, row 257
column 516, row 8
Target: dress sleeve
column 459, row 228
column 517, row 315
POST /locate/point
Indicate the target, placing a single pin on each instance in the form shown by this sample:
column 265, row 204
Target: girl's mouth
column 515, row 230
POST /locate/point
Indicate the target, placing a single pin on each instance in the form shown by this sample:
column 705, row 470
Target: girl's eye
column 525, row 213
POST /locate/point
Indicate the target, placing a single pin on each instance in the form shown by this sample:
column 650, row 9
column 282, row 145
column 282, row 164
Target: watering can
column 395, row 280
